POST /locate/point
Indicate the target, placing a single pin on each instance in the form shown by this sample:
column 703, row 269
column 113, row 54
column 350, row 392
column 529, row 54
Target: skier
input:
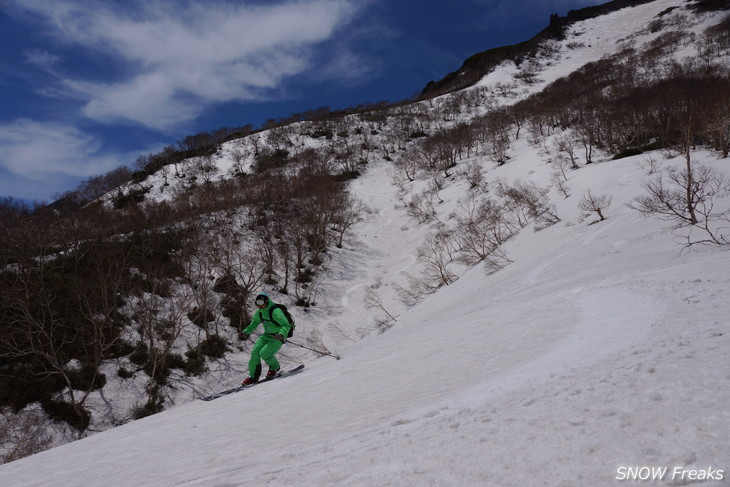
column 276, row 329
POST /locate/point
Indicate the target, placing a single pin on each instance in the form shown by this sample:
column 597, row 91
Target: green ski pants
column 264, row 348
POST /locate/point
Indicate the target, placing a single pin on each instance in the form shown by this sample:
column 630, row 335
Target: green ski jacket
column 274, row 322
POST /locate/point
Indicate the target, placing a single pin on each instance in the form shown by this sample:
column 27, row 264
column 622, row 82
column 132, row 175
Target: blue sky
column 89, row 85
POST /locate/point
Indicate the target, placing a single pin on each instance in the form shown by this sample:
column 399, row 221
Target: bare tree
column 591, row 202
column 266, row 248
column 481, row 231
column 560, row 164
column 493, row 133
column 240, row 156
column 528, row 72
column 206, row 169
column 60, row 320
column 22, row 434
column 558, row 178
column 436, row 254
column 242, row 268
column 565, row 147
column 716, row 122
column 160, row 324
column 586, row 133
column 373, row 301
column 687, row 198
column 527, row 201
column 651, row 165
column 199, row 270
column 421, row 207
column 407, row 165
column 474, row 176
column 350, row 214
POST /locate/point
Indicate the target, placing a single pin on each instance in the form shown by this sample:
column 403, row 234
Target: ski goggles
column 260, row 302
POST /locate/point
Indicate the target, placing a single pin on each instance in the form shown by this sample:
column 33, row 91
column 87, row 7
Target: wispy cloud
column 41, row 58
column 180, row 56
column 39, row 151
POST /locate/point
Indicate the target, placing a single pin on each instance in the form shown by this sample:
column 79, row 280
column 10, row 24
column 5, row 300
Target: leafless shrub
column 401, row 182
column 560, row 181
column 316, row 344
column 528, row 201
column 22, row 434
column 687, row 198
column 474, row 176
column 161, row 322
column 436, row 254
column 561, row 164
column 406, row 167
column 373, row 301
column 505, row 89
column 351, row 211
column 566, row 148
column 421, row 207
column 481, row 230
column 240, row 156
column 591, row 202
column 651, row 165
column 528, row 72
column 335, row 330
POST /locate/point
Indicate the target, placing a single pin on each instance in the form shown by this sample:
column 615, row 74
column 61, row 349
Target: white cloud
column 40, row 58
column 180, row 56
column 40, row 151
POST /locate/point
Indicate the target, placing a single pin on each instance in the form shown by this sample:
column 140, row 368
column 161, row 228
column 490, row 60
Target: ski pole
column 306, row 348
column 313, row 350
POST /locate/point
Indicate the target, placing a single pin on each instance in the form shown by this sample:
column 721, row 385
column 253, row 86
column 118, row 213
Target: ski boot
column 249, row 380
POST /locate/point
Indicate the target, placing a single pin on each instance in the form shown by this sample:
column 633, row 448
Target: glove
column 279, row 337
column 243, row 336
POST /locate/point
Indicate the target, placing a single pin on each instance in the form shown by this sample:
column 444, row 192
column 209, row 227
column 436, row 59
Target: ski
column 296, row 369
column 286, row 373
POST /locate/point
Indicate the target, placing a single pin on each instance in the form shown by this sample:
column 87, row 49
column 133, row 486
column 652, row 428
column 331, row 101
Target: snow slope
column 591, row 40
column 602, row 346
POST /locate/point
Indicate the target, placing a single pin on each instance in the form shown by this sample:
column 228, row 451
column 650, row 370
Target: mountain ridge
column 480, row 64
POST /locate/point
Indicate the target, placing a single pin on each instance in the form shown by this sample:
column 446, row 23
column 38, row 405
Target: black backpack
column 288, row 316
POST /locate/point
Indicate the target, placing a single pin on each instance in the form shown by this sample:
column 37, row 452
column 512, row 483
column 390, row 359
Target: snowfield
column 601, row 347
column 598, row 354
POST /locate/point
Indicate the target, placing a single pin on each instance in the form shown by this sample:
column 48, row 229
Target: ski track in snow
column 345, row 301
column 385, row 264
